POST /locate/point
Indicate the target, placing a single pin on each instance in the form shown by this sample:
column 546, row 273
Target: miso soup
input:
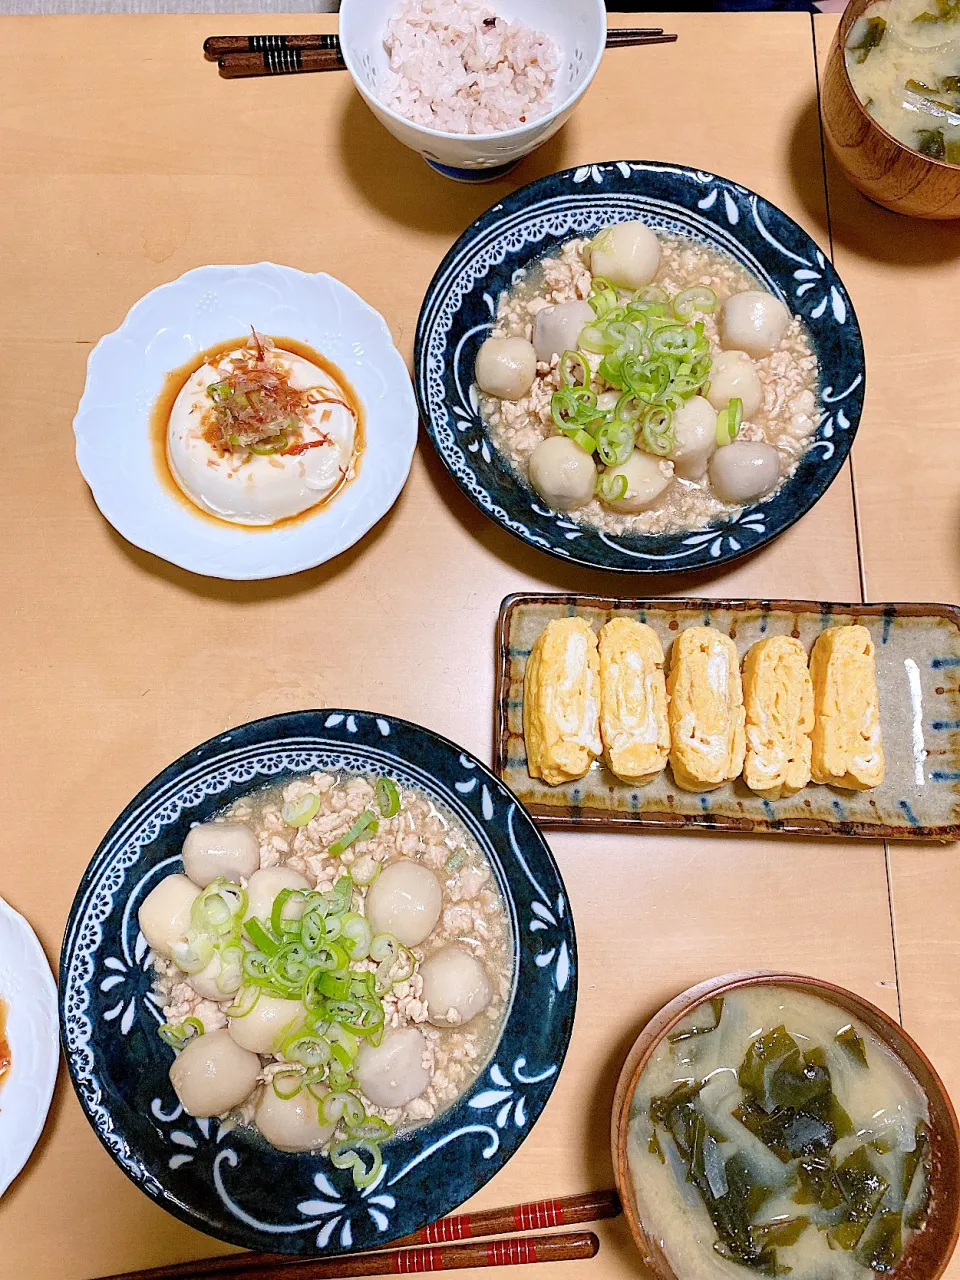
column 772, row 1133
column 903, row 58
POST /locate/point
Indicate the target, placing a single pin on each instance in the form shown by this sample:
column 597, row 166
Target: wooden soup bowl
column 887, row 171
column 930, row 1249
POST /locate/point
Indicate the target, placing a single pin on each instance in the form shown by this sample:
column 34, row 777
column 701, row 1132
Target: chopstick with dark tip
column 511, row 1251
column 565, row 1211
column 217, row 47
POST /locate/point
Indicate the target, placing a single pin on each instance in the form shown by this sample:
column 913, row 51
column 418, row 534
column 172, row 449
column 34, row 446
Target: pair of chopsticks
column 450, row 1244
column 244, row 56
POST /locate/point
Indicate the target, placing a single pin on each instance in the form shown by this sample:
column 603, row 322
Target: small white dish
column 30, row 995
column 579, row 28
column 125, row 376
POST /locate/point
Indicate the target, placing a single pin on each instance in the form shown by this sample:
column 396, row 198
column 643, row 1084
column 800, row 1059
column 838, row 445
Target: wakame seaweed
column 873, row 34
column 930, row 143
column 787, row 1102
column 848, row 1039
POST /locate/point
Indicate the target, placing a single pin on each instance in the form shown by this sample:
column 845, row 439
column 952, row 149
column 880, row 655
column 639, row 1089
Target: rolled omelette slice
column 633, row 701
column 705, row 712
column 847, row 744
column 561, row 725
column 778, row 701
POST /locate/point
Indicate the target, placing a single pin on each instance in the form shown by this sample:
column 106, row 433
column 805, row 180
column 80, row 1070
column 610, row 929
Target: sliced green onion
column 342, row 1105
column 245, row 1002
column 374, row 1128
column 310, row 1050
column 653, row 293
column 697, row 298
column 350, row 1155
column 256, row 966
column 365, row 826
column 568, row 364
column 357, row 936
column 176, row 1036
column 344, row 1044
column 612, row 486
column 230, row 976
column 332, row 987
column 219, row 908
column 388, row 797
column 615, row 442
column 219, row 391
column 283, row 1081
column 593, row 338
column 674, row 341
column 193, row 953
column 584, row 439
column 658, row 434
column 728, row 422
column 298, row 813
column 277, row 445
column 261, row 938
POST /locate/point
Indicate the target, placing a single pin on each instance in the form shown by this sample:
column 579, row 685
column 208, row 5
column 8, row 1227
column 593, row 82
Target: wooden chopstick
column 246, row 57
column 565, row 1211
column 217, row 47
column 511, row 1251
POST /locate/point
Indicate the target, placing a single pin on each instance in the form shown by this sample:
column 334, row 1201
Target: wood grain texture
column 116, row 179
column 904, row 277
column 875, row 162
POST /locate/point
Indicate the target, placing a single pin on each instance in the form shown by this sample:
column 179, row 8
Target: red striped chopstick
column 564, row 1211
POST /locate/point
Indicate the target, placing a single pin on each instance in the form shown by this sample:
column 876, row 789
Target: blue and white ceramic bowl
column 232, row 1184
column 459, row 309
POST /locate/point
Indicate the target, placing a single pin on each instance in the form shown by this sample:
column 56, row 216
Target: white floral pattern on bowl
column 125, row 375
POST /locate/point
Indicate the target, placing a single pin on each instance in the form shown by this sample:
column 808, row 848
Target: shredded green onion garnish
column 697, row 298
column 387, row 796
column 365, row 826
column 350, row 1155
column 611, row 486
column 261, row 938
column 176, row 1035
column 728, row 422
column 298, row 813
column 306, row 951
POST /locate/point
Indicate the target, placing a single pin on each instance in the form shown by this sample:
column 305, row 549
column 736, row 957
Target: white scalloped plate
column 28, row 990
column 125, row 375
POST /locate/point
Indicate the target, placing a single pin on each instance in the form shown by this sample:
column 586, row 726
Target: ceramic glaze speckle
column 229, row 1182
column 490, row 257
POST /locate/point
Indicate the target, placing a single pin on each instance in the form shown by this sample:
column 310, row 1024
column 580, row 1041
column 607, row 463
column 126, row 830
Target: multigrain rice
column 458, row 67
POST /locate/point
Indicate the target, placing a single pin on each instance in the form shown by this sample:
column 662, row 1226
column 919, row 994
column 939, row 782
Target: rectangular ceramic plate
column 918, row 673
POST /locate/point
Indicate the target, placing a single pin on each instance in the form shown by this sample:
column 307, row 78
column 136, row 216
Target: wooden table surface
column 124, row 161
